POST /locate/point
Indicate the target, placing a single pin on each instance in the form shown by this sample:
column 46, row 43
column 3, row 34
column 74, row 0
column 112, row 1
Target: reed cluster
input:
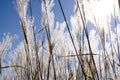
column 62, row 51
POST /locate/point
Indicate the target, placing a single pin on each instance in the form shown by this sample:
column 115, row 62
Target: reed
column 61, row 51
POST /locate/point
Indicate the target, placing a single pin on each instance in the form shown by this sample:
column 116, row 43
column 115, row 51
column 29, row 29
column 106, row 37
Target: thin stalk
column 49, row 44
column 79, row 59
column 26, row 48
column 112, row 52
column 35, row 46
column 100, row 68
column 116, row 27
column 86, row 33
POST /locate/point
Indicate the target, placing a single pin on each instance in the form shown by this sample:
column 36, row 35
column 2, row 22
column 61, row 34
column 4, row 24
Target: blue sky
column 9, row 19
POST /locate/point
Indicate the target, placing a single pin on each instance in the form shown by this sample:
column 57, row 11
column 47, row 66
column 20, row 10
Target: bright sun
column 101, row 10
